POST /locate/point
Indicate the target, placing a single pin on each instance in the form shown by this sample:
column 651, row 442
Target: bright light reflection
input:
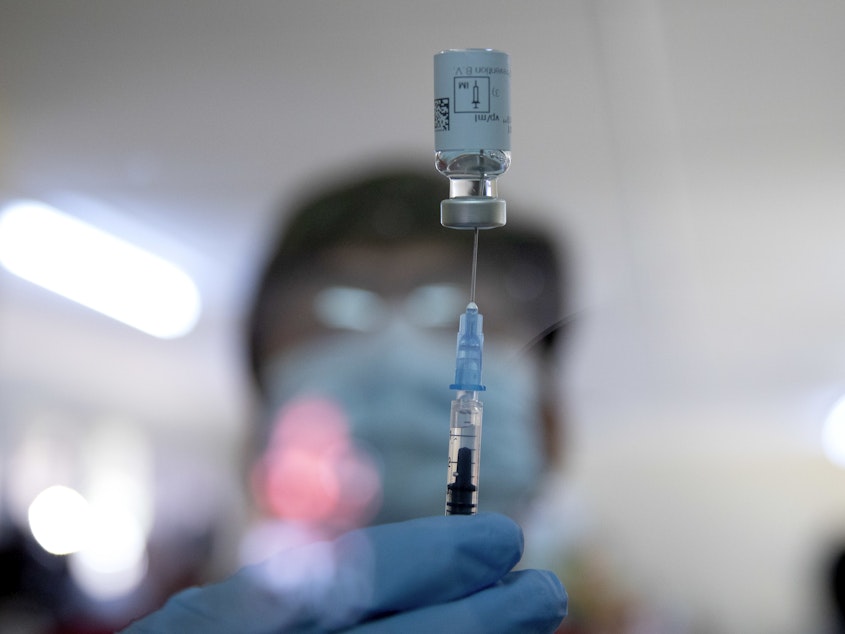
column 59, row 518
column 93, row 268
column 38, row 460
column 107, row 545
column 833, row 434
column 118, row 468
column 114, row 559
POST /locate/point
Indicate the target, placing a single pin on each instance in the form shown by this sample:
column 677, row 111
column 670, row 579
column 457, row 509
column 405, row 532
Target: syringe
column 465, row 418
column 472, row 129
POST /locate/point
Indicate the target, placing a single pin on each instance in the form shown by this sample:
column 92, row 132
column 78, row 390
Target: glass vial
column 472, row 129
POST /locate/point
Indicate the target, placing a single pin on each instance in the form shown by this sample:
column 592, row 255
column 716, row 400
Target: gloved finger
column 438, row 559
column 372, row 571
column 529, row 601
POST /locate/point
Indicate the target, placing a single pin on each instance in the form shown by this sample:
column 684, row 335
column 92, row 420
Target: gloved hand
column 436, row 574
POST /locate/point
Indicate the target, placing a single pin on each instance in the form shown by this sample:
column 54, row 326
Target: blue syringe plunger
column 468, row 357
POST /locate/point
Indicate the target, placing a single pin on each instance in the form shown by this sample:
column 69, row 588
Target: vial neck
column 475, row 187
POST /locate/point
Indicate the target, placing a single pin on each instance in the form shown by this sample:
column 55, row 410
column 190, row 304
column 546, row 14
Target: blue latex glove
column 436, row 574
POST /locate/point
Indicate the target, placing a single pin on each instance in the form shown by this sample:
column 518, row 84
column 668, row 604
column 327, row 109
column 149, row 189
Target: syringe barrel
column 464, row 454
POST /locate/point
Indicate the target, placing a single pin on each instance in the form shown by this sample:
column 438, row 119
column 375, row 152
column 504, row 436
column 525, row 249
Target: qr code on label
column 441, row 114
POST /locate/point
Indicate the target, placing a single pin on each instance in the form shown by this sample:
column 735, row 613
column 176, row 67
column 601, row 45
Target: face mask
column 388, row 398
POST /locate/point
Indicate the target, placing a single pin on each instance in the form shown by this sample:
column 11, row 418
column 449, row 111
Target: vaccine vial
column 472, row 130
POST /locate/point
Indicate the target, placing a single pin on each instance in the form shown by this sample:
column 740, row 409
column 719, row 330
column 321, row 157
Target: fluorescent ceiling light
column 96, row 269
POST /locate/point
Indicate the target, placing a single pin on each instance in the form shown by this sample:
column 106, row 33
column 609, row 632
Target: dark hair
column 395, row 207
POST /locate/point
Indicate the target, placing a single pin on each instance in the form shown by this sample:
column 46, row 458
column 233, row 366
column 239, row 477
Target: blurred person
column 355, row 320
column 351, row 338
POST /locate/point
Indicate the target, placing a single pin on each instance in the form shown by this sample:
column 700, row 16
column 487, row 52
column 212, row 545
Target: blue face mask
column 392, row 388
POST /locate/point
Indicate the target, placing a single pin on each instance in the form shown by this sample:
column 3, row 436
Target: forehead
column 389, row 269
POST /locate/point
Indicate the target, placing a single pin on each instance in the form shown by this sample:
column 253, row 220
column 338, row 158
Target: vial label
column 472, row 100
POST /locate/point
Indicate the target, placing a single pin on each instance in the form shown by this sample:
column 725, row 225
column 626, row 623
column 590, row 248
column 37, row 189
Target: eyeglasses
column 361, row 310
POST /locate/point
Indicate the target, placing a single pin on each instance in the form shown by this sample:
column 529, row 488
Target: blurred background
column 689, row 154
